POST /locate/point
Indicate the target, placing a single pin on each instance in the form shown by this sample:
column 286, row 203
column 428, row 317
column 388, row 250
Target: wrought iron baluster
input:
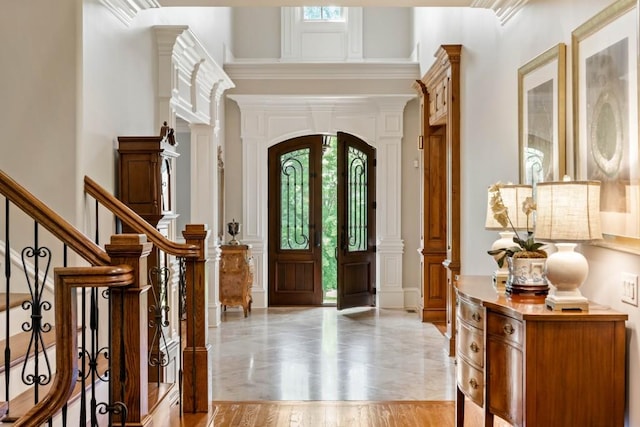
column 7, row 276
column 37, row 327
column 159, row 320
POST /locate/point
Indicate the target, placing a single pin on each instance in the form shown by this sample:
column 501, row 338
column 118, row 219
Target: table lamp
column 568, row 213
column 513, row 195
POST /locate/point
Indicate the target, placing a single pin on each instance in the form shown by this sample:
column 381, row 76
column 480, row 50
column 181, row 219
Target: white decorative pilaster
column 390, row 247
column 267, row 120
column 204, row 199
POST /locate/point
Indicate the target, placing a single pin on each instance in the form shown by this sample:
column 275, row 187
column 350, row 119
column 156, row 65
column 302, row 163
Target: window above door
column 321, row 34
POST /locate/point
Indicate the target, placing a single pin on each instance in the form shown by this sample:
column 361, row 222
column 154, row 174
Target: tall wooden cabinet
column 146, row 179
column 535, row 367
column 439, row 91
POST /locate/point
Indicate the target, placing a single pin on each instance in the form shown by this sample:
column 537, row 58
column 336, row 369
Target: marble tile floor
column 320, row 353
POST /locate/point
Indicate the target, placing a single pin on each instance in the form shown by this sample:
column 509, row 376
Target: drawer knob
column 508, row 329
column 475, row 316
column 473, row 383
column 474, row 347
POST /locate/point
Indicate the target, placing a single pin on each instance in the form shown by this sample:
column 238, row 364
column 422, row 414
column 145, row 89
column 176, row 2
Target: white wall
column 120, row 79
column 378, row 44
column 386, row 32
column 491, row 57
column 39, row 120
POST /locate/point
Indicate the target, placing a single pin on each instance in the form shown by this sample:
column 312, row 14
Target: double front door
column 296, row 221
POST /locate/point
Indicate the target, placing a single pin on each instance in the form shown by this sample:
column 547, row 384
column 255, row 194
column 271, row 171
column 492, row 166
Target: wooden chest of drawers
column 470, row 349
column 535, row 367
column 236, row 277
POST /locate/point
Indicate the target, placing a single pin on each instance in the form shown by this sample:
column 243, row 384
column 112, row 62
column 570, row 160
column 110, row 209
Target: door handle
column 335, row 250
column 317, row 238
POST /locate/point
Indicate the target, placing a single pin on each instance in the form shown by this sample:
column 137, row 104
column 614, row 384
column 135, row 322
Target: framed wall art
column 541, row 116
column 605, row 102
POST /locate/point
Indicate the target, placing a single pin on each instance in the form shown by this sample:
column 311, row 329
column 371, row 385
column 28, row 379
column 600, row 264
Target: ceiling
column 371, row 3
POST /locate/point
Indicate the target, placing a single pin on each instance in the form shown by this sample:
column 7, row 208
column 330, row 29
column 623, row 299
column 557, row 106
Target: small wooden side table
column 236, row 277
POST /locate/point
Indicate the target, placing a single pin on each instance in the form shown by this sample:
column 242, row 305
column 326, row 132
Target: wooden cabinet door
column 505, row 380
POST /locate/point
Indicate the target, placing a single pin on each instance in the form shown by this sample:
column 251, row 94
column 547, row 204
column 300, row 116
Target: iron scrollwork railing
column 159, row 281
column 36, row 351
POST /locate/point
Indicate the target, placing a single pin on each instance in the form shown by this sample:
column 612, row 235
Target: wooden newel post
column 129, row 351
column 196, row 354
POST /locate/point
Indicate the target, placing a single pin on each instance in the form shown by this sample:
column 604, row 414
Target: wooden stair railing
column 136, row 222
column 128, row 354
column 67, row 279
column 195, row 355
column 53, row 222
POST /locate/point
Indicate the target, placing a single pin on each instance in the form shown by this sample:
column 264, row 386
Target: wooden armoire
column 439, row 142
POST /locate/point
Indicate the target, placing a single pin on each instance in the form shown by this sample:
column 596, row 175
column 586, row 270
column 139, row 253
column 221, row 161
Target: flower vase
column 526, row 274
column 501, row 274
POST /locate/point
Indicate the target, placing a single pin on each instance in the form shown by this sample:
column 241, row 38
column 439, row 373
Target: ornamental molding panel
column 504, row 9
column 126, row 10
column 266, row 120
column 397, row 70
column 190, row 82
column 190, row 85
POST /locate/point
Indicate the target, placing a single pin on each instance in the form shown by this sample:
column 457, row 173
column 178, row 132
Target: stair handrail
column 136, row 222
column 54, row 223
column 66, row 280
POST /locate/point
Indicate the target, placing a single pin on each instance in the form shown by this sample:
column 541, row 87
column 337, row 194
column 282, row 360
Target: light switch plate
column 629, row 288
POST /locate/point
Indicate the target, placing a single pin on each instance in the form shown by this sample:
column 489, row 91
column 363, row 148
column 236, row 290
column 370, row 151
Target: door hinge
column 375, row 162
column 374, row 248
column 375, row 205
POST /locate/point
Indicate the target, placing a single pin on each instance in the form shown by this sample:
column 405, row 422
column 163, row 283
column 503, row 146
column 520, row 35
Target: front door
column 356, row 222
column 295, row 222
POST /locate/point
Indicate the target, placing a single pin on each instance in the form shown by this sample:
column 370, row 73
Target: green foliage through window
column 330, row 216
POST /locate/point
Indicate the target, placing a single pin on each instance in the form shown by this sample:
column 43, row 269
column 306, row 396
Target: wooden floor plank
column 356, row 414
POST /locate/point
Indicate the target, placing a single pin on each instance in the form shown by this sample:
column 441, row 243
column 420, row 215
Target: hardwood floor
column 338, row 414
column 370, row 414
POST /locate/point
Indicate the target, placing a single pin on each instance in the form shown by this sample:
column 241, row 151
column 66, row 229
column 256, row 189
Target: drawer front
column 471, row 344
column 471, row 313
column 505, row 327
column 470, row 381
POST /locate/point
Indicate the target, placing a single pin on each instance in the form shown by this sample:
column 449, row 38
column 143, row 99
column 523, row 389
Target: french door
column 295, row 222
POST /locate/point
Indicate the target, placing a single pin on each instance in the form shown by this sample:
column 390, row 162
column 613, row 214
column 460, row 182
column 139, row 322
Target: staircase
column 87, row 332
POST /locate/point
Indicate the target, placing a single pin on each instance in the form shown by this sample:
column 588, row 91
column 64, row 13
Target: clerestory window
column 323, row 13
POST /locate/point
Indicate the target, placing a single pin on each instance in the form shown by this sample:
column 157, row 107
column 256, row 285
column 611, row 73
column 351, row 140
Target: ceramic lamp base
column 572, row 300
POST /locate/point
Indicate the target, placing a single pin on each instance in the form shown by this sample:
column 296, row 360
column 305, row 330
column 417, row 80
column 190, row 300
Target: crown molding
column 504, row 9
column 322, row 71
column 126, row 10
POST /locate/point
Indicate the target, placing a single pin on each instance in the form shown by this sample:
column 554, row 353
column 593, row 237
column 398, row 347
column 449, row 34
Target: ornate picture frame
column 542, row 116
column 605, row 114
